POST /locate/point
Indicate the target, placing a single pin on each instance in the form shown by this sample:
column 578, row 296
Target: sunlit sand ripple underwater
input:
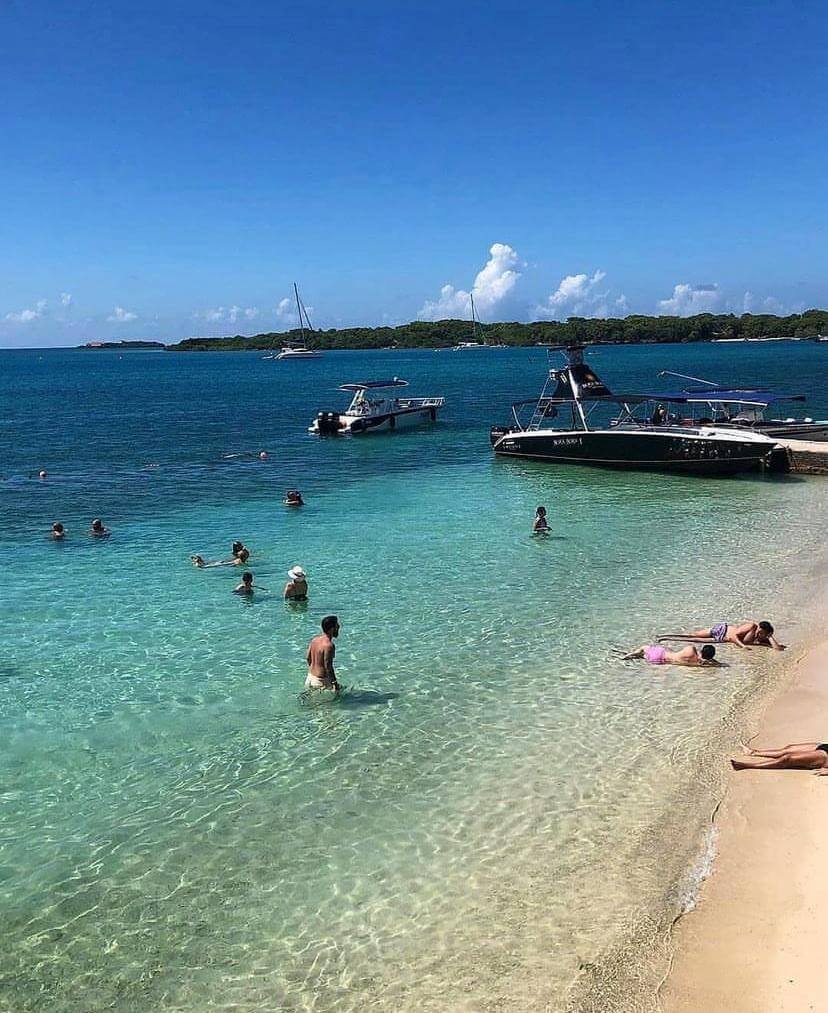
column 496, row 805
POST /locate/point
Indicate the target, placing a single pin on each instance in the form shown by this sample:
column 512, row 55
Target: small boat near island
column 462, row 346
column 370, row 410
column 576, row 419
column 298, row 349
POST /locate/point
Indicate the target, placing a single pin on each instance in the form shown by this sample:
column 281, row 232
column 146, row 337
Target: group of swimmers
column 296, row 588
column 96, row 530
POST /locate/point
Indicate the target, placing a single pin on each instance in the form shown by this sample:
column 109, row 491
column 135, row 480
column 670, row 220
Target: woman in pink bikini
column 689, row 656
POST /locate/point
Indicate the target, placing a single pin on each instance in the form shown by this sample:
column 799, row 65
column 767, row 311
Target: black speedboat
column 578, row 420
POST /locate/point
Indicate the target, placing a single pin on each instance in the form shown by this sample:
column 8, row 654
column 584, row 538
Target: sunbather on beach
column 796, row 756
column 689, row 656
column 742, row 635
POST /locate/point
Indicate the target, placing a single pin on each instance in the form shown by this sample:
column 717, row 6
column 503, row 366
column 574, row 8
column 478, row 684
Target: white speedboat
column 371, row 410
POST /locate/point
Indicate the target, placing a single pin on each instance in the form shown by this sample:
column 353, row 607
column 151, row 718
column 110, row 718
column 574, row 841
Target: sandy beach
column 753, row 944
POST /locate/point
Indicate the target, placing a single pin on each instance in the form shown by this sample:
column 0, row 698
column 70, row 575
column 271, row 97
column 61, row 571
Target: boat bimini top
column 373, row 385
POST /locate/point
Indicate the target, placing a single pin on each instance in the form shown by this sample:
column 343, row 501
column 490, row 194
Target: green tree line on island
column 445, row 333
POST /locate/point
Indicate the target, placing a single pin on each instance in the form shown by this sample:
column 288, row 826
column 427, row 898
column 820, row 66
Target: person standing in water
column 58, row 532
column 98, row 530
column 540, row 525
column 296, row 588
column 247, row 586
column 320, row 657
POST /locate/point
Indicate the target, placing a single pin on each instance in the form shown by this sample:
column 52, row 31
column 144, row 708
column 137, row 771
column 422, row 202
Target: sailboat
column 298, row 349
column 474, row 343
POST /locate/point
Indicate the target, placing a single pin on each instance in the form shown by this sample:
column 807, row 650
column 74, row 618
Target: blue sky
column 170, row 169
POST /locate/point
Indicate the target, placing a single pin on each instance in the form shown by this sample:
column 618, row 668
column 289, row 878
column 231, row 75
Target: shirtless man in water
column 321, row 652
column 688, row 656
column 744, row 635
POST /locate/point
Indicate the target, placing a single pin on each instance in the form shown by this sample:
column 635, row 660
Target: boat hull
column 671, row 452
column 342, row 424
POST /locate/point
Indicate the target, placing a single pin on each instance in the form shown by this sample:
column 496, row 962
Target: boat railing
column 420, row 402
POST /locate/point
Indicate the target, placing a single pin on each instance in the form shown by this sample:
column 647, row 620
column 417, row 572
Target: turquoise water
column 497, row 803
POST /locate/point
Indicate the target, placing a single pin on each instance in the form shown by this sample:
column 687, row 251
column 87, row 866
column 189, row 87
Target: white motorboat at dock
column 371, row 410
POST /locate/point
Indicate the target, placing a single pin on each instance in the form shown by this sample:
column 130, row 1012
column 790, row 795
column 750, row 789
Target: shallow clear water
column 496, row 803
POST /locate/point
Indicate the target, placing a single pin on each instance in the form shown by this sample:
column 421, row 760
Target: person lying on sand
column 796, row 756
column 744, row 635
column 689, row 656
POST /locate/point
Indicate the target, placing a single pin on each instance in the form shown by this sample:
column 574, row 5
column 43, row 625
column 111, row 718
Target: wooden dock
column 808, row 457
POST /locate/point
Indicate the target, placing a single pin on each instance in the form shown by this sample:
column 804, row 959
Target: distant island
column 445, row 333
column 120, row 346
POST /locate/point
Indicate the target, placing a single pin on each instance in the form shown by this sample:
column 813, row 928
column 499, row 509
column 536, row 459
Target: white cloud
column 577, row 295
column 284, row 308
column 65, row 298
column 230, row 313
column 753, row 304
column 493, row 284
column 688, row 300
column 122, row 316
column 28, row 315
column 621, row 304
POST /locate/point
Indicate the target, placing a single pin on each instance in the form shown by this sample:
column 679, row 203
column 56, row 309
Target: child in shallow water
column 540, row 525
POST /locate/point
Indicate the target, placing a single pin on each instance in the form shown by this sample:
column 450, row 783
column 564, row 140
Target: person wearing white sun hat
column 296, row 588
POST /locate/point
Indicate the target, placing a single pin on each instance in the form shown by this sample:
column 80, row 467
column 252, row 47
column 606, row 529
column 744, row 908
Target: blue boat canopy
column 374, row 384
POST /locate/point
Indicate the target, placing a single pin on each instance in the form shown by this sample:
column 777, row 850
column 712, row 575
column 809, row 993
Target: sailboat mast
column 474, row 320
column 299, row 311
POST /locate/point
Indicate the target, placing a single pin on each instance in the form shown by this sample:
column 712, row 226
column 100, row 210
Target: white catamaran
column 298, row 349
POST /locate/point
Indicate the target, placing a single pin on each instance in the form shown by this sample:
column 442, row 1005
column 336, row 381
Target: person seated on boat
column 660, row 416
column 746, row 635
column 293, row 498
column 689, row 656
column 795, row 756
column 58, row 531
column 98, row 530
column 296, row 588
column 540, row 525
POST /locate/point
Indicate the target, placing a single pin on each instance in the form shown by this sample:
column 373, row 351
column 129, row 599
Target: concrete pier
column 808, row 457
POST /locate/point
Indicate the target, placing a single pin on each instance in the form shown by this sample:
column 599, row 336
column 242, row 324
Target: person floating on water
column 747, row 635
column 293, row 498
column 58, row 531
column 796, row 756
column 296, row 588
column 540, row 525
column 247, row 587
column 235, row 560
column 320, row 658
column 98, row 530
column 689, row 656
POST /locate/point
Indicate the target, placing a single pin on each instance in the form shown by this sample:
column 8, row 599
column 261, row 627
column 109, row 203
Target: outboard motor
column 328, row 424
